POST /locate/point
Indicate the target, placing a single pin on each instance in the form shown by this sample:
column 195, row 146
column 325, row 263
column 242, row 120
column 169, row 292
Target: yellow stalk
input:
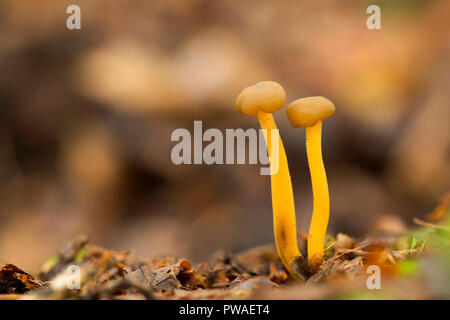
column 282, row 200
column 321, row 206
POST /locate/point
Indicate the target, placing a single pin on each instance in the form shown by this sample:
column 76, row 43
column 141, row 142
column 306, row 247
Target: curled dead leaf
column 15, row 280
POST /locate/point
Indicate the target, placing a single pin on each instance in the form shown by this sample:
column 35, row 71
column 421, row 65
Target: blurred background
column 86, row 118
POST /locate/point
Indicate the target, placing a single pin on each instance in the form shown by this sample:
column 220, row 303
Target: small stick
column 428, row 224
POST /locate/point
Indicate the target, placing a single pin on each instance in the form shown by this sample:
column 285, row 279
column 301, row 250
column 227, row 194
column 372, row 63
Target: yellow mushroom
column 262, row 99
column 309, row 113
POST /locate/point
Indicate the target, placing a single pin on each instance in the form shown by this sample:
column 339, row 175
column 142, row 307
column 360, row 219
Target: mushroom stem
column 282, row 199
column 321, row 205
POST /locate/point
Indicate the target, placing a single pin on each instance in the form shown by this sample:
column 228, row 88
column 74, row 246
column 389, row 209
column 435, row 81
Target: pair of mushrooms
column 263, row 99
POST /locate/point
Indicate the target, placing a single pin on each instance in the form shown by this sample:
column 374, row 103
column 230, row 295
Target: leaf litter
column 405, row 258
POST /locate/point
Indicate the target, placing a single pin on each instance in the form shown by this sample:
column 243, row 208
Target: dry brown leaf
column 14, row 280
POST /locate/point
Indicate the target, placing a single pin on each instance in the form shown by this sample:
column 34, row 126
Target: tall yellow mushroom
column 309, row 113
column 262, row 99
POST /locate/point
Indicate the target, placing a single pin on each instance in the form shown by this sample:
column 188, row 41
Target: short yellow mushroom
column 262, row 99
column 309, row 113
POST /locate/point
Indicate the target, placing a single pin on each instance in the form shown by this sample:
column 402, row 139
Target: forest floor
column 410, row 264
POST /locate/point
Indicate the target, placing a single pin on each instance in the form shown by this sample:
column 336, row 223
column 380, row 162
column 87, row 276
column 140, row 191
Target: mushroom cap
column 267, row 96
column 306, row 112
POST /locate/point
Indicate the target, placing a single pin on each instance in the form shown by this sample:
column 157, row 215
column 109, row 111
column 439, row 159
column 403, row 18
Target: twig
column 428, row 224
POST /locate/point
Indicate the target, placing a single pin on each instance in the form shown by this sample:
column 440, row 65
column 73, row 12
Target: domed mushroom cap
column 306, row 112
column 267, row 96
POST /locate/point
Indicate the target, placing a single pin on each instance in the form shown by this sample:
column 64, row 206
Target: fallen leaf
column 14, row 280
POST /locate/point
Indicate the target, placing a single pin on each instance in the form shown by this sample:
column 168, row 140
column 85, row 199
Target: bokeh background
column 86, row 118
